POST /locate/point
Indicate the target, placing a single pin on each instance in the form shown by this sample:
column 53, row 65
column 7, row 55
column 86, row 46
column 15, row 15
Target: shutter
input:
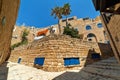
column 66, row 61
column 77, row 61
column 72, row 61
column 39, row 61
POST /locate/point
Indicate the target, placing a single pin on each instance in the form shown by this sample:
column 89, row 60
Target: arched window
column 76, row 29
column 91, row 35
column 88, row 27
column 99, row 25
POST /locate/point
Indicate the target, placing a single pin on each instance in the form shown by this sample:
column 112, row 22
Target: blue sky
column 38, row 12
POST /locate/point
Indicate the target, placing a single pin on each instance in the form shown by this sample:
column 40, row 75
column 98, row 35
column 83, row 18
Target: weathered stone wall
column 80, row 25
column 17, row 34
column 113, row 30
column 18, row 30
column 105, row 50
column 55, row 49
column 8, row 15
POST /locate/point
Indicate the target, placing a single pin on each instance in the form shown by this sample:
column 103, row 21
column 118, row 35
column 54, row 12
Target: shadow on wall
column 93, row 56
column 106, row 50
column 94, row 71
column 4, row 71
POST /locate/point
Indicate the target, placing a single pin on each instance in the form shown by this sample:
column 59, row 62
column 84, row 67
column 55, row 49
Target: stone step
column 109, row 60
column 94, row 76
column 69, row 76
column 90, row 76
column 105, row 67
column 103, row 72
column 106, row 64
column 82, row 75
column 74, row 76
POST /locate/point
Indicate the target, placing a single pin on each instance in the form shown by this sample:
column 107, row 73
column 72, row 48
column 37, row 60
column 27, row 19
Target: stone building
column 8, row 15
column 18, row 31
column 60, row 52
column 91, row 29
column 110, row 16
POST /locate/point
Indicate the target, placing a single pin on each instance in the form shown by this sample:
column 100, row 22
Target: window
column 19, row 60
column 95, row 56
column 99, row 25
column 90, row 35
column 89, row 39
column 88, row 27
column 64, row 20
column 76, row 29
column 39, row 61
column 107, row 42
column 15, row 36
column 87, row 18
column 3, row 21
column 70, row 19
column 107, row 16
column 105, row 34
column 116, row 39
column 71, row 61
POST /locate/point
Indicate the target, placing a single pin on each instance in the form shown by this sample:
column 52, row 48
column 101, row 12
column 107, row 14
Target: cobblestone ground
column 103, row 70
column 14, row 71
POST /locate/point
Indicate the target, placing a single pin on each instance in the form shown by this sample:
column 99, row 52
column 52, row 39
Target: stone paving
column 102, row 70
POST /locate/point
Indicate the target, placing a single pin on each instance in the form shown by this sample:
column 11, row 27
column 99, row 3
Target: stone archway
column 92, row 37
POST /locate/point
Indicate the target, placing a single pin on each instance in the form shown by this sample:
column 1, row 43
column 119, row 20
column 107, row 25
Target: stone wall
column 81, row 23
column 105, row 50
column 8, row 15
column 111, row 23
column 55, row 49
column 18, row 30
column 115, row 32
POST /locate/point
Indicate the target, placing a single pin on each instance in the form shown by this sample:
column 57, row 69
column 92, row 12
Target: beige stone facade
column 8, row 15
column 55, row 48
column 94, row 34
column 92, row 29
column 113, row 29
column 18, row 30
column 110, row 17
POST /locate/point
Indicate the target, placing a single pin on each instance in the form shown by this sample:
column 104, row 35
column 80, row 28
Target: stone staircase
column 107, row 69
column 103, row 70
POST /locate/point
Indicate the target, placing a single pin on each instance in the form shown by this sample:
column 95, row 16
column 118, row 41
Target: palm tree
column 57, row 12
column 66, row 11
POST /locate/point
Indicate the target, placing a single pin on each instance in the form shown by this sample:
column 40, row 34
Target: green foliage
column 66, row 9
column 15, row 45
column 23, row 41
column 74, row 33
column 58, row 12
column 24, row 36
